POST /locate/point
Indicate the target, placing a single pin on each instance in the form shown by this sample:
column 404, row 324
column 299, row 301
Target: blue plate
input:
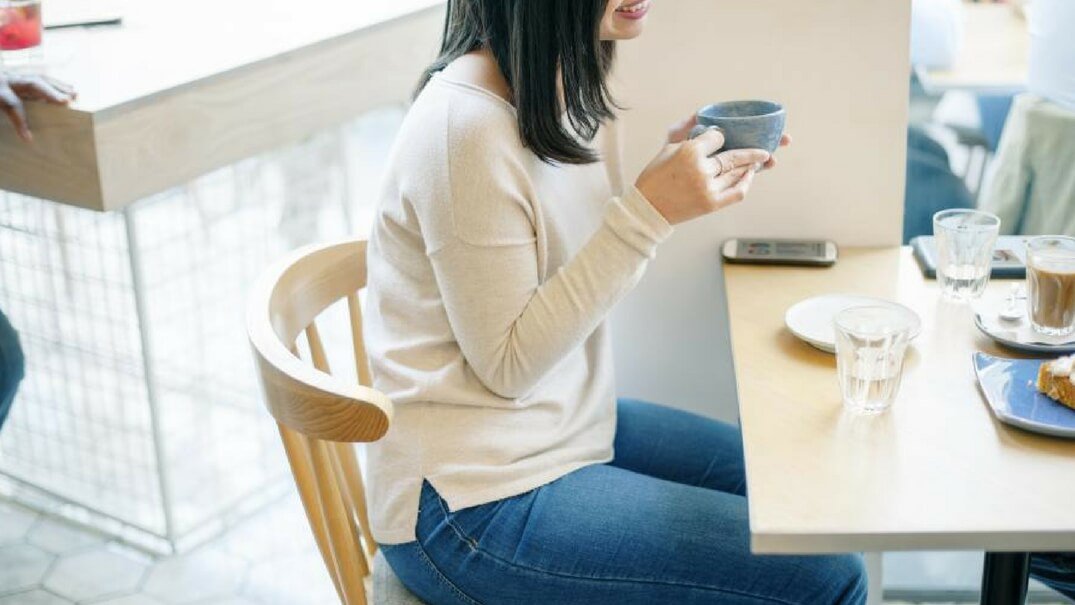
column 1009, row 388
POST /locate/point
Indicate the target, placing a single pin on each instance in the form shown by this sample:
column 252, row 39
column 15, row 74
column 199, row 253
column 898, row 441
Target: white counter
column 181, row 88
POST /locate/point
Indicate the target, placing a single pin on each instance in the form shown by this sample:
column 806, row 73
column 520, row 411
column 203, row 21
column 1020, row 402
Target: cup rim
column 943, row 214
column 905, row 319
column 779, row 109
column 1039, row 238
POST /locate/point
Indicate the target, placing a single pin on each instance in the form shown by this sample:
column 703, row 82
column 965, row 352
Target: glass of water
column 870, row 345
column 965, row 241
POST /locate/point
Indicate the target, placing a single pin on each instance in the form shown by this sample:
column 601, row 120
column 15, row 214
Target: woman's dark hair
column 533, row 41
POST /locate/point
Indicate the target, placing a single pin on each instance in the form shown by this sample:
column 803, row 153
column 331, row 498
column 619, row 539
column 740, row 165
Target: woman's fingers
column 785, row 140
column 737, row 189
column 11, row 105
column 707, row 143
column 681, row 131
column 737, row 158
column 38, row 88
column 54, row 95
column 61, row 86
column 729, row 179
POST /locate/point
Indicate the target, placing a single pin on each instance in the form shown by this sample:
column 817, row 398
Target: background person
column 14, row 89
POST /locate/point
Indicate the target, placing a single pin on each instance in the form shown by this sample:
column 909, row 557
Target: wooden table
column 935, row 472
column 994, row 55
column 182, row 88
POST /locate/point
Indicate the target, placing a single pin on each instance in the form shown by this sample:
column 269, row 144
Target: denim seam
column 443, row 578
column 474, row 547
column 705, row 473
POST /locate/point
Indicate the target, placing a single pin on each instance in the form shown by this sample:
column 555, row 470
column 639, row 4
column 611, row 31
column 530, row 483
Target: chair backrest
column 320, row 416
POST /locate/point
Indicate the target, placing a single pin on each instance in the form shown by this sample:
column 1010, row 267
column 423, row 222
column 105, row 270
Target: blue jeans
column 665, row 522
column 11, row 366
column 1056, row 570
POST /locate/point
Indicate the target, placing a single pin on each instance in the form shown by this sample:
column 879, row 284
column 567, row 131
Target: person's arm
column 512, row 327
column 16, row 88
column 1009, row 190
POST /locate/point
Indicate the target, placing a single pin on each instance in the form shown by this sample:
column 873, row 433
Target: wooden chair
column 320, row 416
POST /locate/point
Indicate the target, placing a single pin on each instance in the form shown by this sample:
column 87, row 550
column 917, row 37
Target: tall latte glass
column 965, row 240
column 1050, row 282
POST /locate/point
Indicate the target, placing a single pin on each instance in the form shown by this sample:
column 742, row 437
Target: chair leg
column 301, row 468
column 343, row 538
column 353, row 481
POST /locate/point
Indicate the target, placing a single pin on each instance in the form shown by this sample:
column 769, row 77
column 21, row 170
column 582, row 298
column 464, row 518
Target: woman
column 503, row 240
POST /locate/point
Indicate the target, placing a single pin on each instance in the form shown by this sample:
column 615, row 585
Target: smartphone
column 811, row 253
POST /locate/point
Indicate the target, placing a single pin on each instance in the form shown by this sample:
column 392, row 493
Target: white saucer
column 811, row 319
column 1016, row 334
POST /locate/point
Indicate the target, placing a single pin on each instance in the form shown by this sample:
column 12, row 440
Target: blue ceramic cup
column 745, row 124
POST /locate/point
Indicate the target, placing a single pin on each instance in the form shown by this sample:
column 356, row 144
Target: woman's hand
column 15, row 88
column 682, row 131
column 785, row 140
column 686, row 180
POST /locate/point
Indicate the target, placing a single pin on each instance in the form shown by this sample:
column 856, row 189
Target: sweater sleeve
column 512, row 328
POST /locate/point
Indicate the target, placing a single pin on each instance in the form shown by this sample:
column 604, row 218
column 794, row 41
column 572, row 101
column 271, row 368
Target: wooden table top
column 936, row 471
column 995, row 53
column 182, row 88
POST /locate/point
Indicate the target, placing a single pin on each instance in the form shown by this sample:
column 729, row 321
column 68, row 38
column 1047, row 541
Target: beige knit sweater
column 491, row 277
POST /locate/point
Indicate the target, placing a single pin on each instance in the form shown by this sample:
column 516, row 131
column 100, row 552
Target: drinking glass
column 870, row 345
column 965, row 240
column 20, row 32
column 1050, row 284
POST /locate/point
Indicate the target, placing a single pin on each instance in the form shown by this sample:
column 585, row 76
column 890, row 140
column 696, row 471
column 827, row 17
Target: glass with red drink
column 20, row 31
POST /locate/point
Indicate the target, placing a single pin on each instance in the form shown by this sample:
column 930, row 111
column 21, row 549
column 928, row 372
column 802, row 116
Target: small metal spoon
column 1013, row 311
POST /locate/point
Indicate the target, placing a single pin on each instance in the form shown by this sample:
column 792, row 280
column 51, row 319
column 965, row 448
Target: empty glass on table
column 965, row 241
column 871, row 342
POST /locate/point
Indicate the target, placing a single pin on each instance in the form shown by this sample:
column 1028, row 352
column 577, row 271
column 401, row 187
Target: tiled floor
column 269, row 559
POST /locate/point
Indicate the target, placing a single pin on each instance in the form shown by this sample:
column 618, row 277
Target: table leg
column 874, row 575
column 1004, row 578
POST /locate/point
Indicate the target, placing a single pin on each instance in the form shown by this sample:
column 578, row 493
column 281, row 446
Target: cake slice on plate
column 1056, row 379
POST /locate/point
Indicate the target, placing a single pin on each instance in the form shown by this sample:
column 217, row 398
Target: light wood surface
column 936, row 471
column 318, row 416
column 182, row 88
column 995, row 52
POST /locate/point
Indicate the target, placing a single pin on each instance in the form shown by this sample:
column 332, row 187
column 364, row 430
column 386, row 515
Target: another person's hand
column 686, row 180
column 16, row 88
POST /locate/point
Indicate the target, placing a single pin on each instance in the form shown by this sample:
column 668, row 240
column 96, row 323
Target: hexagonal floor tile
column 15, row 521
column 296, row 579
column 34, row 597
column 23, row 567
column 59, row 537
column 134, row 599
column 204, row 574
column 279, row 530
column 95, row 574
